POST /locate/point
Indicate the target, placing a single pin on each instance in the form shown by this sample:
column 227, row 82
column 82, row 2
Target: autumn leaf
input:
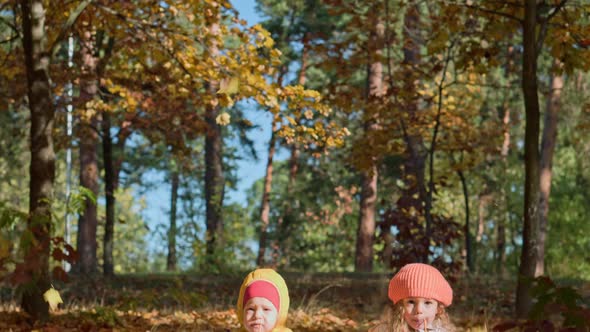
column 229, row 86
column 223, row 119
column 52, row 297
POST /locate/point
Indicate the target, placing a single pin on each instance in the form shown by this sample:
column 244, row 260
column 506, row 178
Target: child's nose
column 258, row 313
column 418, row 309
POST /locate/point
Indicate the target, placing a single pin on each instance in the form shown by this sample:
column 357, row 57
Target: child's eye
column 428, row 302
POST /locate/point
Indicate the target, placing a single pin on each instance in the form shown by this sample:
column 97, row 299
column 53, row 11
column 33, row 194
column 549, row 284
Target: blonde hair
column 393, row 320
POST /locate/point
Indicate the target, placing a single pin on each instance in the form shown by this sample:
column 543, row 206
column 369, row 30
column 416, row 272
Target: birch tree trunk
column 42, row 167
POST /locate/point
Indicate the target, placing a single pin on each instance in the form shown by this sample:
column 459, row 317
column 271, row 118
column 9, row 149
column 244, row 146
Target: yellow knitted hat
column 274, row 278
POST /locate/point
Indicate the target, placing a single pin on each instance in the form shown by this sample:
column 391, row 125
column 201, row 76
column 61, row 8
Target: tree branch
column 493, row 12
column 545, row 25
column 9, row 40
column 9, row 24
column 74, row 15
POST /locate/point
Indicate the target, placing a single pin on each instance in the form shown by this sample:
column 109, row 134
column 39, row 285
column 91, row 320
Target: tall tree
column 266, row 192
column 42, row 168
column 214, row 177
column 369, row 177
column 537, row 184
column 110, row 181
column 415, row 153
column 88, row 132
column 504, row 152
column 173, row 229
column 547, row 151
column 38, row 57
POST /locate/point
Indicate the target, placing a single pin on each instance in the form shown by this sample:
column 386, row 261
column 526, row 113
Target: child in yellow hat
column 419, row 295
column 263, row 302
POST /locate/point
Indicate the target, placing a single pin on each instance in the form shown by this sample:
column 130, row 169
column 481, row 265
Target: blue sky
column 249, row 170
column 247, row 11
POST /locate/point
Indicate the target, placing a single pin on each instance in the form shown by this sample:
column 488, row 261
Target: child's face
column 260, row 315
column 420, row 312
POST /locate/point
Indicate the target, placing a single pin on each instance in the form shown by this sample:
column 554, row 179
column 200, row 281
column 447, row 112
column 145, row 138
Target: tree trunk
column 283, row 242
column 214, row 178
column 368, row 200
column 113, row 159
column 265, row 204
column 42, row 167
column 415, row 154
column 485, row 198
column 547, row 149
column 366, row 229
column 109, row 227
column 468, row 237
column 503, row 222
column 530, row 232
column 387, row 256
column 88, row 221
column 171, row 259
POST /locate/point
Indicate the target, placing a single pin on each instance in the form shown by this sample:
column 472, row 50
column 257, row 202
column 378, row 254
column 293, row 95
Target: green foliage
column 318, row 230
column 568, row 212
column 9, row 217
column 237, row 253
column 77, row 201
column 130, row 252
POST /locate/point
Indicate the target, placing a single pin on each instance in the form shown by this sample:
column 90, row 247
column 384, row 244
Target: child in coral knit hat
column 419, row 295
column 263, row 302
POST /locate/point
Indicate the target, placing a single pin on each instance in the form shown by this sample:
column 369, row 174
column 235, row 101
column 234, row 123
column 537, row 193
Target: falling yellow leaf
column 229, row 86
column 223, row 119
column 52, row 297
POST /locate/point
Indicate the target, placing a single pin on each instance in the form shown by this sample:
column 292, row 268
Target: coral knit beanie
column 420, row 280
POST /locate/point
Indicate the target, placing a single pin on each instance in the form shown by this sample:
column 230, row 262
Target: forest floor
column 192, row 302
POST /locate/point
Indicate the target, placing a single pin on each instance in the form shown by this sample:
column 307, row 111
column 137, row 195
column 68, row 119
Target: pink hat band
column 265, row 289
